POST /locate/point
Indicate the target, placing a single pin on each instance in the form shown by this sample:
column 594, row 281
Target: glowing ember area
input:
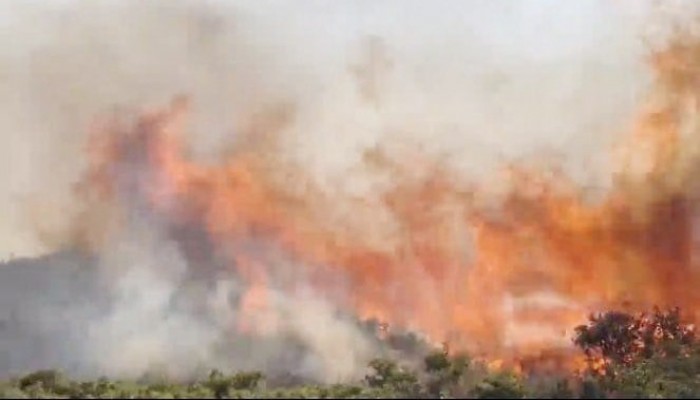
column 505, row 278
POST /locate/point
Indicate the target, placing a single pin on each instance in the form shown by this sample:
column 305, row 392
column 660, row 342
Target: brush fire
column 504, row 277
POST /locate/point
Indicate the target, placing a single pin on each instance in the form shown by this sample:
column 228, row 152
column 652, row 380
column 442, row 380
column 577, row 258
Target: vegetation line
column 650, row 355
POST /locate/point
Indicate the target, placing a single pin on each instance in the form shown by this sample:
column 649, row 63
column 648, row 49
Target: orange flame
column 507, row 280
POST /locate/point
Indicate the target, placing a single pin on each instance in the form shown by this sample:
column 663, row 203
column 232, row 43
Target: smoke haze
column 459, row 80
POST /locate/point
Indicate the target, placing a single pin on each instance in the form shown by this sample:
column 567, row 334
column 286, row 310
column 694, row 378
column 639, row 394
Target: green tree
column 500, row 386
column 387, row 375
column 445, row 374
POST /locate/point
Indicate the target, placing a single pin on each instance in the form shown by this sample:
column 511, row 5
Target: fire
column 506, row 281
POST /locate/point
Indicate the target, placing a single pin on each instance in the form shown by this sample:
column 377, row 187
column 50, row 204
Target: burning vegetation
column 503, row 278
column 253, row 249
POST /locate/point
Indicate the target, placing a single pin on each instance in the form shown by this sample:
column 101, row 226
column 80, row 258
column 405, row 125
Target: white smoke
column 475, row 82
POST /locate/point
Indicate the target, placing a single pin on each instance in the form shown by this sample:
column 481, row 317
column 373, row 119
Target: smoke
column 170, row 308
column 312, row 85
column 457, row 79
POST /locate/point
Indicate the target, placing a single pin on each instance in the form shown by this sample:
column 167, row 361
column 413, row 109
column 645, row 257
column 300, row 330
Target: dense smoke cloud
column 474, row 83
column 459, row 79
